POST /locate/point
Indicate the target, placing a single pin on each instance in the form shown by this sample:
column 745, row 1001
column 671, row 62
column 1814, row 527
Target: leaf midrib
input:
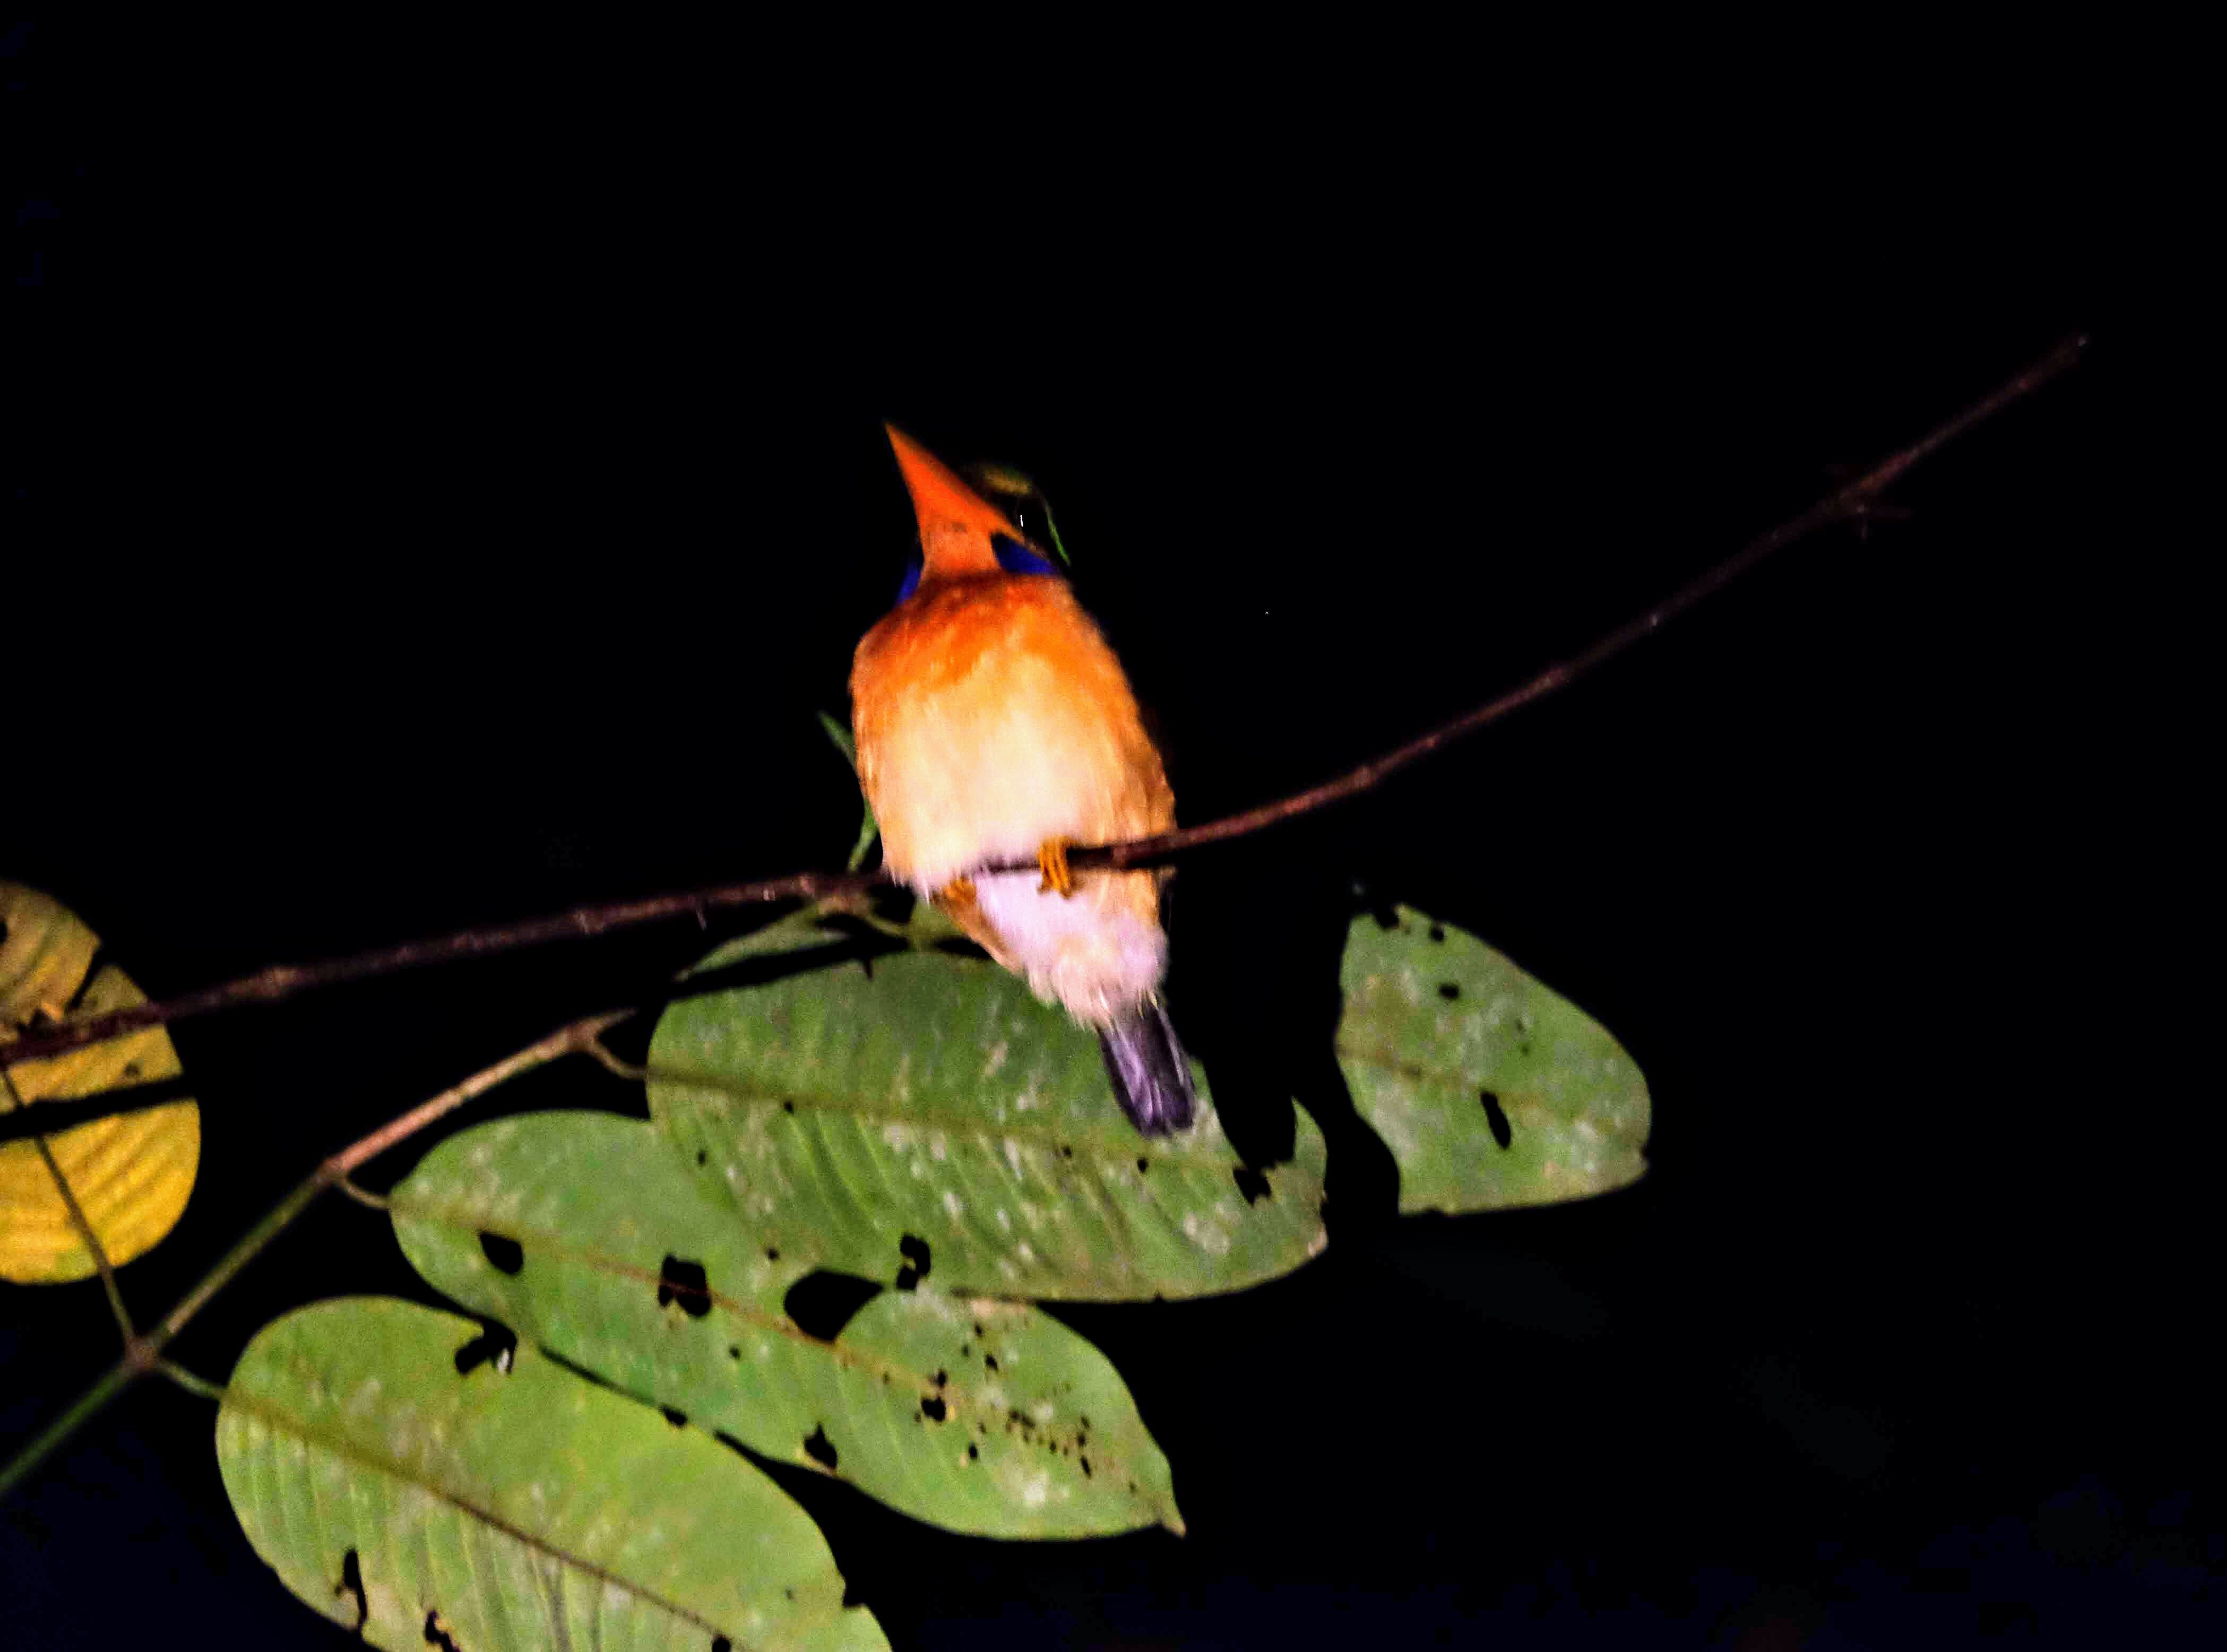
column 287, row 1422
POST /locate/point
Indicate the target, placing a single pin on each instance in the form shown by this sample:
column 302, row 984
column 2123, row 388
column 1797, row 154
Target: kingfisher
column 994, row 725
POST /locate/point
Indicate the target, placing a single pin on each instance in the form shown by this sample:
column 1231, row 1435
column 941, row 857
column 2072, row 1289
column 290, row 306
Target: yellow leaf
column 132, row 1174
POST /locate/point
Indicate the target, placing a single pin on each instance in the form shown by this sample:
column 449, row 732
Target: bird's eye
column 912, row 578
column 1016, row 559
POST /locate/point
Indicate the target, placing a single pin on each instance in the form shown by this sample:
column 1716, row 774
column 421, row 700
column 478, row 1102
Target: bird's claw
column 1051, row 860
column 960, row 891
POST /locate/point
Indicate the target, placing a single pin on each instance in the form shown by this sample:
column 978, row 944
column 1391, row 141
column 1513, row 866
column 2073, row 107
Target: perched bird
column 994, row 725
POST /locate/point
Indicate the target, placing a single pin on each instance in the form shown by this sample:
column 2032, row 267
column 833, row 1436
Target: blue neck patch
column 1016, row 559
column 1012, row 556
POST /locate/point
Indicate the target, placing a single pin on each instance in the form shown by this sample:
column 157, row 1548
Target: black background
column 445, row 479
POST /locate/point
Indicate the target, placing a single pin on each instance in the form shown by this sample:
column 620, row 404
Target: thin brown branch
column 576, row 1035
column 283, row 981
column 1852, row 502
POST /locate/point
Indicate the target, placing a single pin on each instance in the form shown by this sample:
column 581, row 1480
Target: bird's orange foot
column 960, row 891
column 1051, row 859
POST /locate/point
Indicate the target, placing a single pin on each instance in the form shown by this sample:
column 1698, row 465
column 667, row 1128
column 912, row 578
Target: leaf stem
column 92, row 1245
column 612, row 1064
column 363, row 1195
column 190, row 1382
column 78, row 1220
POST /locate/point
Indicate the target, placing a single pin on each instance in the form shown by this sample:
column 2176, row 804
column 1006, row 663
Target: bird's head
column 961, row 532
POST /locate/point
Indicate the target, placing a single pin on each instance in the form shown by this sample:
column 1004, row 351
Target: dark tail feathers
column 1151, row 1073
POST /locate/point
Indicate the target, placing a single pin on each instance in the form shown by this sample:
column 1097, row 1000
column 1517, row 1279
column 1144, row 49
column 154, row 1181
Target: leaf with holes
column 132, row 1174
column 839, row 1111
column 1490, row 1089
column 407, row 1492
column 584, row 1233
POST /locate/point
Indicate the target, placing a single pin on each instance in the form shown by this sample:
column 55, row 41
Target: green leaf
column 868, row 828
column 1447, row 1046
column 841, row 737
column 1052, row 528
column 514, row 1510
column 588, row 1234
column 838, row 1111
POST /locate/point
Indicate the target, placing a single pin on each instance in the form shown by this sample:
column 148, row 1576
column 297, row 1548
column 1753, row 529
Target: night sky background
column 442, row 485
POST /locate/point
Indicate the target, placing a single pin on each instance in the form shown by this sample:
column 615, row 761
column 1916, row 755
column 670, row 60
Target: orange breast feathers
column 991, row 718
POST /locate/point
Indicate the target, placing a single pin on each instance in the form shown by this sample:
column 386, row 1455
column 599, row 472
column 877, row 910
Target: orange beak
column 943, row 503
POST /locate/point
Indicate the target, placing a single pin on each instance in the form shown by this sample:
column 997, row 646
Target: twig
column 286, row 980
column 143, row 1353
column 1852, row 502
